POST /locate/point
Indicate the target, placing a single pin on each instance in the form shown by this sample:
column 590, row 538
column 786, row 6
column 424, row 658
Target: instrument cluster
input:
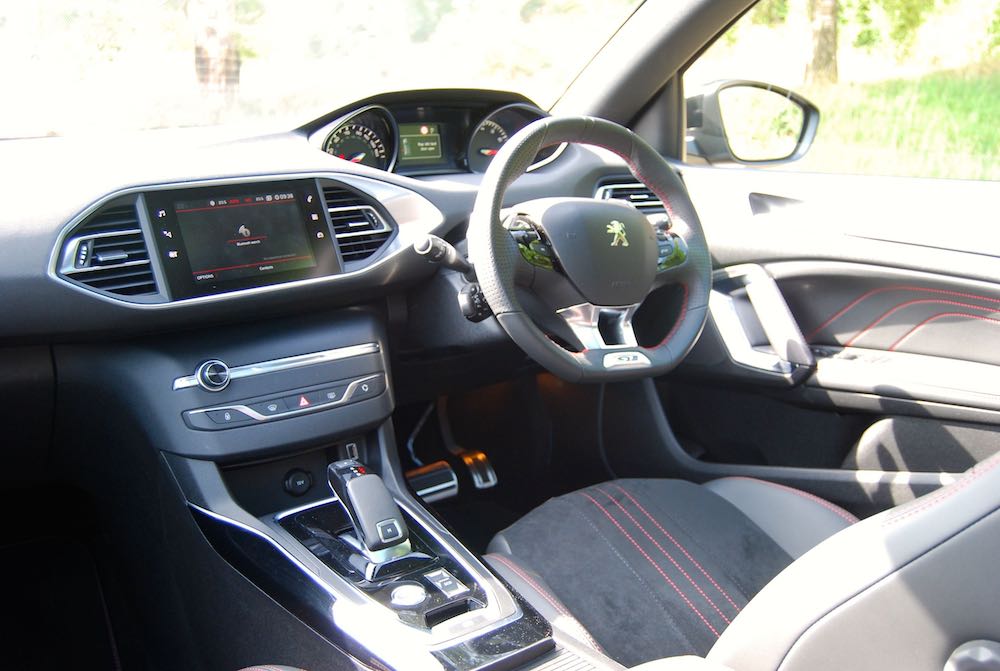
column 428, row 137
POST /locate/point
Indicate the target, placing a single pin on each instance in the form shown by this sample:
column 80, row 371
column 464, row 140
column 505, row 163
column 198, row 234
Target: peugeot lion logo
column 617, row 229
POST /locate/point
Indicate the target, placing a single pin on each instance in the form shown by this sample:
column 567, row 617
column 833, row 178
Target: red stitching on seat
column 658, row 568
column 679, row 546
column 868, row 294
column 840, row 512
column 667, row 555
column 907, row 304
column 892, row 348
column 946, row 493
column 548, row 597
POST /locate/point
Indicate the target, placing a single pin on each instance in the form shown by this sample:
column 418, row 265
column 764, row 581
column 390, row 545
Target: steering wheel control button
column 213, row 375
column 269, row 408
column 298, row 482
column 446, row 583
column 388, row 530
column 228, row 416
column 408, row 596
column 673, row 251
column 367, row 389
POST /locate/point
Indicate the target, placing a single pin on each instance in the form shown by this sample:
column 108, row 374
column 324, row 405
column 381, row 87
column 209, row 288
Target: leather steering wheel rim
column 496, row 256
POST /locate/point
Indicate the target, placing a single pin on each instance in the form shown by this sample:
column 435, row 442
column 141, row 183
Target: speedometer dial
column 367, row 137
column 358, row 143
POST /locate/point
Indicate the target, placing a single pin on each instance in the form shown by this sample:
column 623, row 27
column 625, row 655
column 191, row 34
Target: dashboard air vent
column 108, row 252
column 634, row 193
column 359, row 228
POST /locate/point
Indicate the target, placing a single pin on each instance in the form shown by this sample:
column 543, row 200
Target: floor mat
column 55, row 614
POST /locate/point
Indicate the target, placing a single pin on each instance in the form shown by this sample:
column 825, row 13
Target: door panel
column 895, row 286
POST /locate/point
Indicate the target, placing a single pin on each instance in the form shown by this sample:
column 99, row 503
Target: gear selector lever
column 377, row 520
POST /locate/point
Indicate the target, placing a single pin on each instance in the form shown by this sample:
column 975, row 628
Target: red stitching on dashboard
column 667, row 555
column 679, row 546
column 837, row 510
column 868, row 294
column 892, row 348
column 906, row 304
column 658, row 568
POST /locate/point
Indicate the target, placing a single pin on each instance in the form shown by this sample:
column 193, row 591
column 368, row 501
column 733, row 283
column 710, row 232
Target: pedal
column 480, row 468
column 434, row 482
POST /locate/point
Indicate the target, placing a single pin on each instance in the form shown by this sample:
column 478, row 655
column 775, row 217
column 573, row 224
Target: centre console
column 276, row 441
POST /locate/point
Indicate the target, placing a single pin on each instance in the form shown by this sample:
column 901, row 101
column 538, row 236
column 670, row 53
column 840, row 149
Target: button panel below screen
column 286, row 404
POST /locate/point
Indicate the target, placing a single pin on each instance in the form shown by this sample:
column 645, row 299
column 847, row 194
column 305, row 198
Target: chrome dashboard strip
column 287, row 363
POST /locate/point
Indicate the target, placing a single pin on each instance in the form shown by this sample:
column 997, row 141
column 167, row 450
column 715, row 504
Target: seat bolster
column 532, row 587
column 898, row 590
column 796, row 520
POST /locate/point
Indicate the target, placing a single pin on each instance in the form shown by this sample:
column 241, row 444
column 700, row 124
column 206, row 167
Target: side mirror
column 750, row 123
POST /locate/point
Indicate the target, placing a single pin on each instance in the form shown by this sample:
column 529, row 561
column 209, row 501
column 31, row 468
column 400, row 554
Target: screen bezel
column 169, row 238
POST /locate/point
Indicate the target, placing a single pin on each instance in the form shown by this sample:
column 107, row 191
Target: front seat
column 758, row 576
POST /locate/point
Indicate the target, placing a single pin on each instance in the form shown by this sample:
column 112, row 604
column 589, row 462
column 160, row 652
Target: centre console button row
column 242, row 413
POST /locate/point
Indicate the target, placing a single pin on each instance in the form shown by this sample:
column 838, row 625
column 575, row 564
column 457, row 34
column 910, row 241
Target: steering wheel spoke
column 601, row 328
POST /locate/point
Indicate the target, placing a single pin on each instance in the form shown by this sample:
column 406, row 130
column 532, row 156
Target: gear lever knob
column 377, row 520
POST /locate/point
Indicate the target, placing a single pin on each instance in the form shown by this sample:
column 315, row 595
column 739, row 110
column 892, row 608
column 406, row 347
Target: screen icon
column 168, row 234
column 173, row 253
column 243, row 231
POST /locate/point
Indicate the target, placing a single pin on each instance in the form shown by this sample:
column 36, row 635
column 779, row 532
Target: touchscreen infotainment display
column 243, row 235
column 222, row 238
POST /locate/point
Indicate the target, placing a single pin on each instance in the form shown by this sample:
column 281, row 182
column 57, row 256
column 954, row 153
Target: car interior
column 444, row 380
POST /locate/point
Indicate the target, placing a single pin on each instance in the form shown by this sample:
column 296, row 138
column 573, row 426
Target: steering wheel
column 582, row 269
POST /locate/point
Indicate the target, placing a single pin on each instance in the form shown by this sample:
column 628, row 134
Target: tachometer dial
column 486, row 142
column 358, row 143
column 493, row 131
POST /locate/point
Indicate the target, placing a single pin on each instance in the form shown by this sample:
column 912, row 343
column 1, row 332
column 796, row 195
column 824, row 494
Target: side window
column 903, row 87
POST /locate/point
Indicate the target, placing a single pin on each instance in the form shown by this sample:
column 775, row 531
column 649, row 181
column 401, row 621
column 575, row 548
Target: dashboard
column 424, row 133
column 182, row 229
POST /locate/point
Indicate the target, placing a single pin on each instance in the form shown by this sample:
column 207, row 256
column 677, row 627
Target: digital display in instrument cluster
column 420, row 144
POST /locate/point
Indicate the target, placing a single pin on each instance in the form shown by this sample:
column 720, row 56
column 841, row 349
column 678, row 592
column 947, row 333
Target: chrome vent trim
column 634, row 193
column 360, row 230
column 109, row 253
